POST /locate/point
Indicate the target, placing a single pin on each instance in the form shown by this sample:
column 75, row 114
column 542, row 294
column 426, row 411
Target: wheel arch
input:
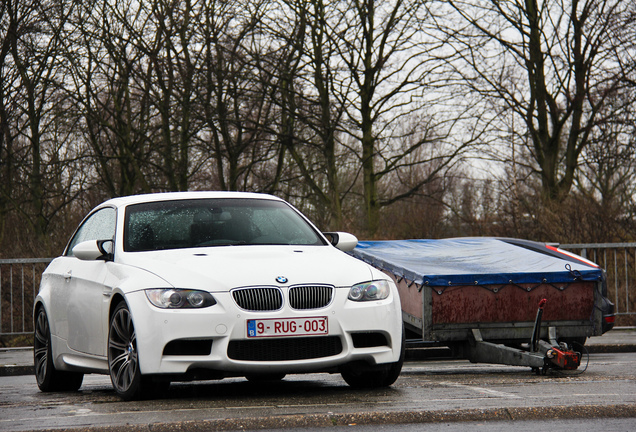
column 117, row 298
column 38, row 304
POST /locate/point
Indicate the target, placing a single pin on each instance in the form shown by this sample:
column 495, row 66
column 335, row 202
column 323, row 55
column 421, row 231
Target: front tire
column 123, row 358
column 50, row 379
column 265, row 378
column 359, row 376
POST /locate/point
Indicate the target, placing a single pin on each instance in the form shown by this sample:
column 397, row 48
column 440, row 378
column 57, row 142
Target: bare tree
column 308, row 118
column 554, row 64
column 173, row 56
column 109, row 72
column 391, row 68
column 608, row 172
column 8, row 78
column 236, row 108
column 30, row 107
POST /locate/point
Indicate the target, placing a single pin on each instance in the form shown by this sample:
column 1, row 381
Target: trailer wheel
column 575, row 341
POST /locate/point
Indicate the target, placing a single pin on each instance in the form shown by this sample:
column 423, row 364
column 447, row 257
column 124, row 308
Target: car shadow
column 286, row 389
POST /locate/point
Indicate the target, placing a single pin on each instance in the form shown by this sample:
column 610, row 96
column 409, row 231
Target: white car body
column 80, row 290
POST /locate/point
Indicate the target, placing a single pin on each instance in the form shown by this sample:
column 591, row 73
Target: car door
column 87, row 304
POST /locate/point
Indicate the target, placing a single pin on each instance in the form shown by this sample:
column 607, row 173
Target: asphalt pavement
column 570, row 398
column 19, row 361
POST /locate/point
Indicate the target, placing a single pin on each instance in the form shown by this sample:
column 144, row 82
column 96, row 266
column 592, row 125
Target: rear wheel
column 123, row 358
column 48, row 378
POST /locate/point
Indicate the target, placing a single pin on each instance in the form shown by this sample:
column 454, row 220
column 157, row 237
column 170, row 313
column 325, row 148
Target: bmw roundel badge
column 281, row 279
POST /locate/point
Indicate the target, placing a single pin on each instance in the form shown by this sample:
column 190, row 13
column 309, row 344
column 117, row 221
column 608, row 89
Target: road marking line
column 481, row 390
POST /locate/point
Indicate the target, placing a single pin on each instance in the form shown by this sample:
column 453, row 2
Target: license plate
column 287, row 327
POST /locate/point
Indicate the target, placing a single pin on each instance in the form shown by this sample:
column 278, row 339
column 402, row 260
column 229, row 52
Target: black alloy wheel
column 49, row 379
column 123, row 359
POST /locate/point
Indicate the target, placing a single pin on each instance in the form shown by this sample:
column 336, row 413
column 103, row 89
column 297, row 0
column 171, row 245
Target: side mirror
column 344, row 241
column 92, row 250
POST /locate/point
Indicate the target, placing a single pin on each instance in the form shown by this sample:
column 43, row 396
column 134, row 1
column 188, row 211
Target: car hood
column 223, row 268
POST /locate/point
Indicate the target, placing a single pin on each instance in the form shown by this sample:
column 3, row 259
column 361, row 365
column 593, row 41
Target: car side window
column 99, row 226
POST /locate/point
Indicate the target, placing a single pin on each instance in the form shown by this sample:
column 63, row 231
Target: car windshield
column 214, row 222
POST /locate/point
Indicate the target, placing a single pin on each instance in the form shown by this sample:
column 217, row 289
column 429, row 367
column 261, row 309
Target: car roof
column 171, row 196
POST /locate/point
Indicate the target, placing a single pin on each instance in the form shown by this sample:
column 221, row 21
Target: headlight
column 174, row 298
column 369, row 291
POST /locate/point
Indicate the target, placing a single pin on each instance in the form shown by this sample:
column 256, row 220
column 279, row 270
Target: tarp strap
column 575, row 273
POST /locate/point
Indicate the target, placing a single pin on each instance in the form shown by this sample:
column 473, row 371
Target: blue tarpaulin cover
column 473, row 261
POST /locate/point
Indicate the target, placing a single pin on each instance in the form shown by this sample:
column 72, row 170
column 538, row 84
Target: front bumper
column 179, row 342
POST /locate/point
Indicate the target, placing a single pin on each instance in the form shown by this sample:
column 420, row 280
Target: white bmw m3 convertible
column 206, row 285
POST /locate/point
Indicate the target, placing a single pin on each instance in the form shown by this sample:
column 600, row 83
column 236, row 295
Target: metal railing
column 19, row 284
column 619, row 261
column 20, row 280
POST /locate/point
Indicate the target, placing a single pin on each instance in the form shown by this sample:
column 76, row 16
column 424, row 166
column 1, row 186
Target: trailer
column 496, row 300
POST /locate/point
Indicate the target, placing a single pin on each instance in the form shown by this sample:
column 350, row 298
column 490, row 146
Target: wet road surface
column 431, row 391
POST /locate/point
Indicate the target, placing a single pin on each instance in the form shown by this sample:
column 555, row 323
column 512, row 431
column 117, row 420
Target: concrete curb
column 380, row 418
column 595, row 349
column 13, row 370
column 16, row 361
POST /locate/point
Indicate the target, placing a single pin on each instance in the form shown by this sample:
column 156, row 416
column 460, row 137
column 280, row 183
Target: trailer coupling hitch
column 564, row 358
column 557, row 356
column 541, row 355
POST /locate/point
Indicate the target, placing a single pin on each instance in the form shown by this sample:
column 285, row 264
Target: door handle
column 68, row 275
